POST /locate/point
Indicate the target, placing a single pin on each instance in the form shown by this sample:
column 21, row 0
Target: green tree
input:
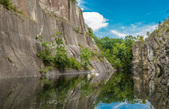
column 119, row 53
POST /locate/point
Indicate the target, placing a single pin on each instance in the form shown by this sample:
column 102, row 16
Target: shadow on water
column 67, row 92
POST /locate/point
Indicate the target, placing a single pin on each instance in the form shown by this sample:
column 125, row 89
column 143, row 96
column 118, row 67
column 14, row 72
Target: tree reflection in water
column 120, row 88
column 57, row 92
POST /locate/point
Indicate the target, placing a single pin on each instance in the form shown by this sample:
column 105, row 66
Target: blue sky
column 118, row 18
column 123, row 106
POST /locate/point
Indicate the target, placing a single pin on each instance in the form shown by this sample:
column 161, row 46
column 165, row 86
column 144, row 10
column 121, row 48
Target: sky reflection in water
column 123, row 105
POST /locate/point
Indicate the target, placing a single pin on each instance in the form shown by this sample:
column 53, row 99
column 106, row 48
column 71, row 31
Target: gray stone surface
column 150, row 69
column 18, row 46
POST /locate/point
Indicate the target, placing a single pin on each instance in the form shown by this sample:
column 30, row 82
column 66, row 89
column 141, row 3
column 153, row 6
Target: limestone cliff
column 151, row 67
column 18, row 46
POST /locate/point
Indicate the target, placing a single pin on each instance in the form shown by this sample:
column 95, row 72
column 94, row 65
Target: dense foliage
column 118, row 52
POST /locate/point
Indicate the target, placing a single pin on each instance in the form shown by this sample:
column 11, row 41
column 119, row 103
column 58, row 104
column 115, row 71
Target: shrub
column 85, row 57
column 46, row 54
column 8, row 5
column 77, row 30
column 148, row 33
column 75, row 64
column 59, row 41
column 13, row 8
column 90, row 32
column 9, row 59
column 61, row 59
column 43, row 70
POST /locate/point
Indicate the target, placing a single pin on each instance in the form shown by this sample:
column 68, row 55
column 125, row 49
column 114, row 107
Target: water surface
column 66, row 92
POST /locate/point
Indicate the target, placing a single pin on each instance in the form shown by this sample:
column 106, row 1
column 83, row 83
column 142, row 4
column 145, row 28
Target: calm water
column 66, row 92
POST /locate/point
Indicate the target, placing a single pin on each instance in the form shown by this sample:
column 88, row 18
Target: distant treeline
column 118, row 52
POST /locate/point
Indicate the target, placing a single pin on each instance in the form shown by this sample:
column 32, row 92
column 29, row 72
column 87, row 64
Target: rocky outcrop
column 18, row 46
column 151, row 67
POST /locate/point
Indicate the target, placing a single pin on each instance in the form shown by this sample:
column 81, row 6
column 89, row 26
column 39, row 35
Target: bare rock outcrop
column 151, row 67
column 18, row 46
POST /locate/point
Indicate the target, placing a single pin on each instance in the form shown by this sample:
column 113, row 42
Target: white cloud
column 95, row 20
column 134, row 26
column 115, row 107
column 122, row 27
column 143, row 30
column 135, row 30
column 121, row 35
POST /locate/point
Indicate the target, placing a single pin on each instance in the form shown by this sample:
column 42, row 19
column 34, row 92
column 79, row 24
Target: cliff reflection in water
column 68, row 93
column 65, row 92
column 62, row 92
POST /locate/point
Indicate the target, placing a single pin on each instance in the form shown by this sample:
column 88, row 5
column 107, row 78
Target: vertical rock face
column 139, row 68
column 151, row 67
column 63, row 9
column 18, row 46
